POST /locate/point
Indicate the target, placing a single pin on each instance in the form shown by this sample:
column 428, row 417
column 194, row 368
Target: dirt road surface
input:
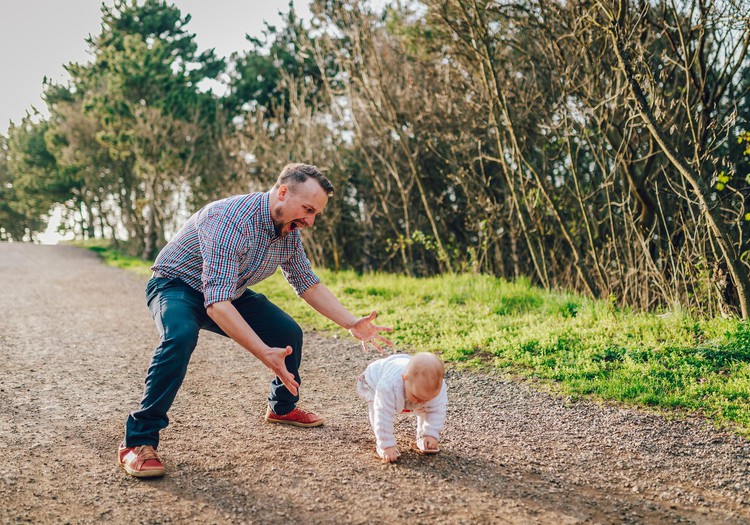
column 76, row 339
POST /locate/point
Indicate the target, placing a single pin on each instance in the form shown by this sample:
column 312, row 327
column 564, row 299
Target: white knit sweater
column 382, row 385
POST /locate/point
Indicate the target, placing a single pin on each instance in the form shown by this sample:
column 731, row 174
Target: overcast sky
column 37, row 37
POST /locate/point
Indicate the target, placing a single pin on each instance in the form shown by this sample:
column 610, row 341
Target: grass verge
column 576, row 346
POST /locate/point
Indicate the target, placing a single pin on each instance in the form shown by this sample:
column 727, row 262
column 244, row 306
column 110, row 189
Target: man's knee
column 294, row 334
column 283, row 331
column 180, row 341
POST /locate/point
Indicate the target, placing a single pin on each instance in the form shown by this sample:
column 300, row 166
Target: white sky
column 37, row 37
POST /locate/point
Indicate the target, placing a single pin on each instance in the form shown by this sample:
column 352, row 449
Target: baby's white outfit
column 382, row 386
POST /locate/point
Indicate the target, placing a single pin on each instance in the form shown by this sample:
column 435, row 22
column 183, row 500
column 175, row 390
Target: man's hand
column 366, row 332
column 229, row 319
column 390, row 454
column 274, row 359
column 321, row 298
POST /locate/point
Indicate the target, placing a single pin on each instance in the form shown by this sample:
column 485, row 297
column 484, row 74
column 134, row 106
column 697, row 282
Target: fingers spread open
column 386, row 341
column 290, row 383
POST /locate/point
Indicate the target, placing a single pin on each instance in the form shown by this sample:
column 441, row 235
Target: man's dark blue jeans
column 179, row 315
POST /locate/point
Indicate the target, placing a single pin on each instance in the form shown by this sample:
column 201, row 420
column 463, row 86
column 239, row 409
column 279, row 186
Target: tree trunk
column 734, row 265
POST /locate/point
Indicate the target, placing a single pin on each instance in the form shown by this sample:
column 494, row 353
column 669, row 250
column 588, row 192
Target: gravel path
column 75, row 341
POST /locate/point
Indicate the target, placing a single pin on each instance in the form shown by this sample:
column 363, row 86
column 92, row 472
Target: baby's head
column 423, row 377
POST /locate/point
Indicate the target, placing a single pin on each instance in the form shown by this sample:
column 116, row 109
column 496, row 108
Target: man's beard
column 277, row 225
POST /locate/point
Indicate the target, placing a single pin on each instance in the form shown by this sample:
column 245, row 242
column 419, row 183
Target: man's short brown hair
column 297, row 173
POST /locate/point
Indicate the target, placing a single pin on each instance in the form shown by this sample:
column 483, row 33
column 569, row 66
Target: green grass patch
column 114, row 257
column 577, row 346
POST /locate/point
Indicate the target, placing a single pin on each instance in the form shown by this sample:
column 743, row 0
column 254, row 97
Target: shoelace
column 146, row 452
column 305, row 415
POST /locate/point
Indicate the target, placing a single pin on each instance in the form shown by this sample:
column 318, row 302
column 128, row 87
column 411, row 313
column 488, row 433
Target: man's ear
column 282, row 192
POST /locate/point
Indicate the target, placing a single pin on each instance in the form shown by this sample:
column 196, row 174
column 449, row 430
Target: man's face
column 298, row 206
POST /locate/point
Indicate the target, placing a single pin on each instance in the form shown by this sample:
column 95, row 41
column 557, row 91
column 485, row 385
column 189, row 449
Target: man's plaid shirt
column 231, row 244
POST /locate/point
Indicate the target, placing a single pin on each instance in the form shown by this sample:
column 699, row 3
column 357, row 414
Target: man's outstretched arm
column 324, row 302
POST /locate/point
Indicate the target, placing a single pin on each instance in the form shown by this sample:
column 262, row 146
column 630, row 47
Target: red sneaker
column 141, row 462
column 297, row 417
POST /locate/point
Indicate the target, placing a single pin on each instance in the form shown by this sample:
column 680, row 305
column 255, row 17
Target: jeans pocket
column 157, row 285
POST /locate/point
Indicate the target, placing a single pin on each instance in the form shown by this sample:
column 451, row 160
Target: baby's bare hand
column 430, row 443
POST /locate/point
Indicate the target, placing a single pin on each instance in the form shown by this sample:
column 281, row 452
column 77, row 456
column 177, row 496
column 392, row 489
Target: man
column 200, row 281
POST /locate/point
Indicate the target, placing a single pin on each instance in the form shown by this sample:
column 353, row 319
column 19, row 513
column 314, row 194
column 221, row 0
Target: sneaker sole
column 295, row 423
column 142, row 473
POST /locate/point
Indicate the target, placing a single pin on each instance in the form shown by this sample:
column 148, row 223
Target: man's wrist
column 260, row 352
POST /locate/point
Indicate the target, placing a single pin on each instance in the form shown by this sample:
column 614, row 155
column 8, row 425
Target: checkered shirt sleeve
column 220, row 242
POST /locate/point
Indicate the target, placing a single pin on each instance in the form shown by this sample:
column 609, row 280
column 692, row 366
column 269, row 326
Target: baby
column 403, row 383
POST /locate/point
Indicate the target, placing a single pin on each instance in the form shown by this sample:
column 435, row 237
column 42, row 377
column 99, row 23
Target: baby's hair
column 427, row 369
